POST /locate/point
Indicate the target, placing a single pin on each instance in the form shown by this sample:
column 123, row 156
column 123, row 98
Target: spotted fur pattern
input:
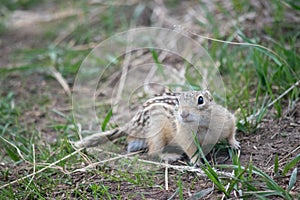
column 136, row 130
column 173, row 118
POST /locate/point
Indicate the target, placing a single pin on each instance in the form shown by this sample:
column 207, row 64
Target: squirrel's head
column 191, row 104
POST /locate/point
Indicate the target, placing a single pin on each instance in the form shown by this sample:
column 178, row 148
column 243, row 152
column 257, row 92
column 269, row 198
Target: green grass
column 254, row 77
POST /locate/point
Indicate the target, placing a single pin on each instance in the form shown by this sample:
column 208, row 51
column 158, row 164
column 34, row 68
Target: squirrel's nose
column 184, row 114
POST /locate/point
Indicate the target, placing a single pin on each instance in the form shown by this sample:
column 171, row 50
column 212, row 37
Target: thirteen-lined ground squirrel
column 173, row 118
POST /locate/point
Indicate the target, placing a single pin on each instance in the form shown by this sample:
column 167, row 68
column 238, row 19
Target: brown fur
column 163, row 122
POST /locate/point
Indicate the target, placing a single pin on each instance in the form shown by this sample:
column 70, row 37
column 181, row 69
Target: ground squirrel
column 173, row 118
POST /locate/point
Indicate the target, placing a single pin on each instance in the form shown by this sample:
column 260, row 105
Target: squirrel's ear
column 208, row 95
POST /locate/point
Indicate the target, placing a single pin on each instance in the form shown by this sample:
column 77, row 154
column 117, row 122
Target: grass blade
column 273, row 187
column 293, row 4
column 180, row 188
column 291, row 164
column 202, row 194
column 209, row 170
column 276, row 165
column 259, row 48
column 293, row 179
column 158, row 63
column 106, row 120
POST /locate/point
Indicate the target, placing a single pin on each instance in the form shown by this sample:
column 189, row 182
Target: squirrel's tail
column 100, row 138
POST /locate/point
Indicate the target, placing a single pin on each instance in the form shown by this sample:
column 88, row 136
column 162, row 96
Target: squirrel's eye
column 200, row 100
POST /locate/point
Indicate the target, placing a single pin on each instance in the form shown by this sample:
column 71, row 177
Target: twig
column 18, row 150
column 286, row 156
column 41, row 170
column 251, row 117
column 79, row 130
column 61, row 80
column 159, row 164
column 104, row 161
column 184, row 168
column 124, row 70
column 290, row 153
column 237, row 43
column 33, row 155
column 232, row 175
column 166, row 179
column 285, row 92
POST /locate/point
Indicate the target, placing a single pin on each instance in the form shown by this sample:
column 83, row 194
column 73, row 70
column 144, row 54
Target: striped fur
column 137, row 127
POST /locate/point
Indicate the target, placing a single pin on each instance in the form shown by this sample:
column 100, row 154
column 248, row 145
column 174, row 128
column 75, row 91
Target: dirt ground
column 280, row 136
column 273, row 137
